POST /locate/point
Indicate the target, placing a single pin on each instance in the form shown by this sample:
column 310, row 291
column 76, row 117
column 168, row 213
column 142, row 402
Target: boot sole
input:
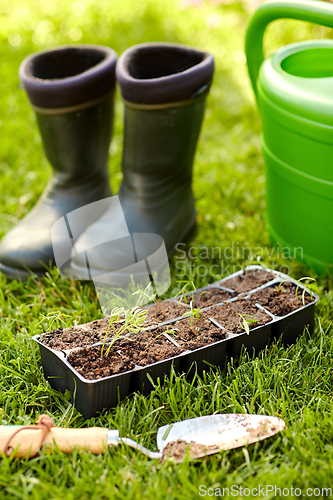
column 18, row 274
column 22, row 275
column 81, row 271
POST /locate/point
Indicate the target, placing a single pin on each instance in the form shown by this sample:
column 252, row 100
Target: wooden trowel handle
column 26, row 442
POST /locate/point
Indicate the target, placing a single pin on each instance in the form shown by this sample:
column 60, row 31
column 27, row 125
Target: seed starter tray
column 92, row 396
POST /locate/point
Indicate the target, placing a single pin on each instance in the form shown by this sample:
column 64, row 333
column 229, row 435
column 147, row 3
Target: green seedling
column 278, row 288
column 244, row 322
column 312, row 287
column 132, row 321
column 152, row 297
column 53, row 320
column 193, row 314
column 185, row 290
column 169, row 331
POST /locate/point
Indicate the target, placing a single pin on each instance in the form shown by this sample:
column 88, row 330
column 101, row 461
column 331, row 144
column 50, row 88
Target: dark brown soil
column 177, row 450
column 209, row 297
column 283, row 301
column 146, row 348
column 204, row 332
column 164, row 311
column 142, row 348
column 230, row 315
column 76, row 336
column 89, row 362
column 248, row 280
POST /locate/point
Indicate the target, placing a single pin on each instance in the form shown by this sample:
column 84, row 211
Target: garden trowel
column 193, row 438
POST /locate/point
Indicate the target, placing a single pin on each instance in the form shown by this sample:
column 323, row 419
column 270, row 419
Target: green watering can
column 294, row 91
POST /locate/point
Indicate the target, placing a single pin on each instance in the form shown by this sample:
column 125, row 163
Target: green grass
column 229, row 185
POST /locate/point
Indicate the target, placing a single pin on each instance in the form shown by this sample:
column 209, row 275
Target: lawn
column 229, row 186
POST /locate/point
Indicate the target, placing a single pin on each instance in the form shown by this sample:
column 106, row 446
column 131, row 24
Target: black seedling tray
column 55, row 370
column 274, row 274
column 92, row 396
column 253, row 342
column 291, row 326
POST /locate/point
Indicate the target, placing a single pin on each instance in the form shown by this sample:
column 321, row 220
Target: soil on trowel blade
column 248, row 280
column 192, row 333
column 77, row 336
column 208, row 297
column 164, row 311
column 231, row 316
column 178, row 450
column 92, row 365
column 282, row 300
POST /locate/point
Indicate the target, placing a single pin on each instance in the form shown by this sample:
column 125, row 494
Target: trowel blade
column 220, row 432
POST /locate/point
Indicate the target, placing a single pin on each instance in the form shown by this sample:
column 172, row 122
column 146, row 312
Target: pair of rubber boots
column 164, row 88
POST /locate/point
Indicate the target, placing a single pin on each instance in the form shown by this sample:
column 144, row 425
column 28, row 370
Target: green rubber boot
column 72, row 91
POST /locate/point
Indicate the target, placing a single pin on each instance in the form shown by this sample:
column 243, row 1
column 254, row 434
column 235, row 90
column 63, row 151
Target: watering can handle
column 312, row 11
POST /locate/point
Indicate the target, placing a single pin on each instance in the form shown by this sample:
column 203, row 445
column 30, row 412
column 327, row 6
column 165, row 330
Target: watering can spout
column 271, row 10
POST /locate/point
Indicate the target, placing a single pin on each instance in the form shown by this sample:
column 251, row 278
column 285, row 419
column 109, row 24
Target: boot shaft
column 164, row 87
column 77, row 143
column 72, row 92
column 159, row 146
